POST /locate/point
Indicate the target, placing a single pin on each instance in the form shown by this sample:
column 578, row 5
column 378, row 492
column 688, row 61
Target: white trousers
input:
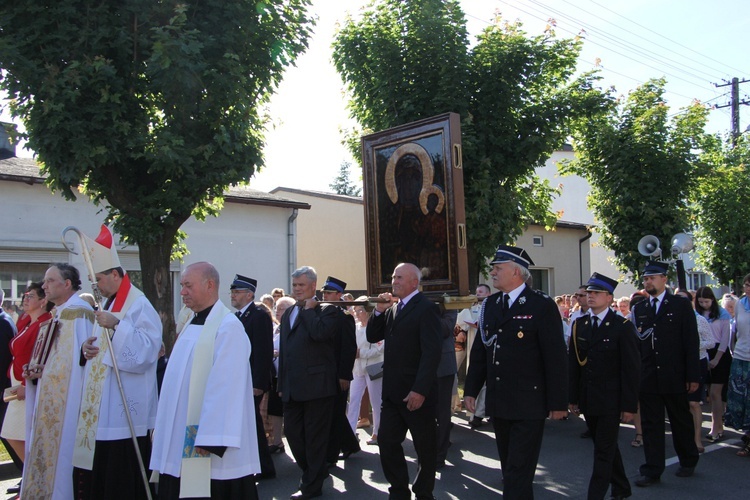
column 356, row 391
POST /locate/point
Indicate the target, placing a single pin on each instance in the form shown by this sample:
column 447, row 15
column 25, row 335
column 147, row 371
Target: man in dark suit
column 605, row 366
column 413, row 337
column 308, row 379
column 341, row 437
column 521, row 355
column 259, row 329
column 668, row 334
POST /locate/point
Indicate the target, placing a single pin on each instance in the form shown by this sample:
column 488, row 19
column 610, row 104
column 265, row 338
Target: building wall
column 331, row 236
column 247, row 239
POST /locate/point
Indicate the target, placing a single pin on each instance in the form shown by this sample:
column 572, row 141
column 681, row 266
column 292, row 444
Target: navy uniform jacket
column 346, row 346
column 608, row 382
column 259, row 329
column 413, row 341
column 307, row 354
column 669, row 349
column 526, row 370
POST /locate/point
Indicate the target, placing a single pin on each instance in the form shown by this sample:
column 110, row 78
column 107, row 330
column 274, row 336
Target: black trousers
column 307, row 425
column 518, row 443
column 395, row 421
column 341, row 437
column 681, row 421
column 242, row 488
column 444, row 398
column 608, row 466
column 116, row 473
column 267, row 468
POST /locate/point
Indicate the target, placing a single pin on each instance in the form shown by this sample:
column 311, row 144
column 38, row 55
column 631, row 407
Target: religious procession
column 96, row 409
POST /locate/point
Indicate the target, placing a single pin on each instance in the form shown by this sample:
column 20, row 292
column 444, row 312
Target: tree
column 342, row 184
column 720, row 204
column 151, row 108
column 407, row 60
column 641, row 168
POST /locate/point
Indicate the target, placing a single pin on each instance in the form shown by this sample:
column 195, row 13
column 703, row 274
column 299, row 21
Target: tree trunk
column 157, row 283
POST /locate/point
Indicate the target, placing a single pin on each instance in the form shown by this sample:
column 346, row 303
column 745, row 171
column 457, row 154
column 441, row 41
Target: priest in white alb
column 105, row 461
column 205, row 445
column 53, row 389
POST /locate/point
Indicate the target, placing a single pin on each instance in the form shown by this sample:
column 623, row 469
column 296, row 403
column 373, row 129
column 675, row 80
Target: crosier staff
column 107, row 339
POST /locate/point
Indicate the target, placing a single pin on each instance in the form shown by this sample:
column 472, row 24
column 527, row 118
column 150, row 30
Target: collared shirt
column 601, row 315
column 661, row 299
column 513, row 294
column 404, row 301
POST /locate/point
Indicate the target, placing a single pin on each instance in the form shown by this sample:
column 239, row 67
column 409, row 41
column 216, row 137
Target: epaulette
column 540, row 292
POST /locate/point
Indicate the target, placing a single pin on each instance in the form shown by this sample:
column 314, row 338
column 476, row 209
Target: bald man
column 206, row 408
column 413, row 336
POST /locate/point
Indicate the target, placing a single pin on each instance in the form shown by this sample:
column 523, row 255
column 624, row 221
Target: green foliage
column 407, row 60
column 720, row 202
column 342, row 184
column 641, row 168
column 150, row 107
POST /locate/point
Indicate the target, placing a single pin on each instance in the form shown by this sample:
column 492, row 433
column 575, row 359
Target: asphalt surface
column 473, row 470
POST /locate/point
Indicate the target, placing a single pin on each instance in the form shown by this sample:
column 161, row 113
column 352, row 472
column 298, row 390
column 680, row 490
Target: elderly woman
column 35, row 313
column 367, row 354
column 720, row 360
column 275, row 408
column 738, row 396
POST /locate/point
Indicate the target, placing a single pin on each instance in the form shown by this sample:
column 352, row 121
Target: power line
column 593, row 42
column 713, row 59
column 632, row 46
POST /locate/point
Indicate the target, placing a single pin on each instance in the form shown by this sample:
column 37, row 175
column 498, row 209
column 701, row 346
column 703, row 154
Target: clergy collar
column 200, row 316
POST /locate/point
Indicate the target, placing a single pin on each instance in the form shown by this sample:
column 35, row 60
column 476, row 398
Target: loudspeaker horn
column 648, row 246
column 682, row 243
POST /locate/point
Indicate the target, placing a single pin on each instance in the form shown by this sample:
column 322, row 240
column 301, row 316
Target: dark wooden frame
column 401, row 223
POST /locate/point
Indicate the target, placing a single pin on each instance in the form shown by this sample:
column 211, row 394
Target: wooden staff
column 107, row 339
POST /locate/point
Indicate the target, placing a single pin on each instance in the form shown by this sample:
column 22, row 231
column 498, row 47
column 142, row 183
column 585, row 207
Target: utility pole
column 735, row 104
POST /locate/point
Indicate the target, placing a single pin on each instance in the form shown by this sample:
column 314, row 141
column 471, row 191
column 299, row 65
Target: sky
column 694, row 44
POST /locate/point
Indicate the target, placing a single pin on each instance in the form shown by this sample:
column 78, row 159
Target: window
column 15, row 277
column 540, row 278
column 537, row 240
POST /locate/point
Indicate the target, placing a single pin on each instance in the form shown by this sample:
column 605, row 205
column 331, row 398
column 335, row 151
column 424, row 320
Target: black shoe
column 14, row 489
column 586, row 435
column 264, row 475
column 621, row 497
column 440, row 465
column 276, row 448
column 684, row 471
column 302, row 496
column 475, row 422
column 646, row 481
column 347, row 454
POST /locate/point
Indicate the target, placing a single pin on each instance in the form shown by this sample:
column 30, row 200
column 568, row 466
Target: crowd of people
column 87, row 419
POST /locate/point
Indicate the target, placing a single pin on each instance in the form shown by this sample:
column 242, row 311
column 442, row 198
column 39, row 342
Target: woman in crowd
column 35, row 313
column 738, row 396
column 720, row 359
column 367, row 354
column 623, row 306
column 275, row 406
column 705, row 342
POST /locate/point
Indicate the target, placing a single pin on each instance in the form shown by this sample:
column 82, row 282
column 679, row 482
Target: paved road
column 473, row 470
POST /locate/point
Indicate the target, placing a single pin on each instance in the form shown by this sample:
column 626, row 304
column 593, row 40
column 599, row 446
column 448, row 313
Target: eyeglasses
column 581, row 295
column 29, row 295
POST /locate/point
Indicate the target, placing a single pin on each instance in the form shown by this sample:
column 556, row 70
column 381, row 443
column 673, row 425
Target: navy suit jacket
column 526, row 370
column 413, row 340
column 669, row 349
column 307, row 354
column 259, row 329
column 608, row 381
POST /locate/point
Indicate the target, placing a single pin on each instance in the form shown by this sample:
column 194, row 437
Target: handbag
column 375, row 370
column 11, row 393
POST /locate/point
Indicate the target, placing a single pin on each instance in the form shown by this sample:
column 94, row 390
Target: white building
column 255, row 235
